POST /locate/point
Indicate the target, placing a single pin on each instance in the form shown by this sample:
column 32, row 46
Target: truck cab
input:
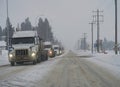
column 49, row 49
column 56, row 49
column 26, row 46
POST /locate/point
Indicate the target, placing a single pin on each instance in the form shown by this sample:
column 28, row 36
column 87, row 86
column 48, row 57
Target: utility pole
column 78, row 45
column 84, row 41
column 97, row 20
column 7, row 26
column 116, row 43
column 92, row 35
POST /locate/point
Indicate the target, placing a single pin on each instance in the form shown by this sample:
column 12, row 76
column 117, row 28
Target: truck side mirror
column 36, row 41
column 10, row 49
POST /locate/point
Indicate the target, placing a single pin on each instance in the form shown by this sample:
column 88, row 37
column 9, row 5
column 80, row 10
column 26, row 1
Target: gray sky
column 69, row 18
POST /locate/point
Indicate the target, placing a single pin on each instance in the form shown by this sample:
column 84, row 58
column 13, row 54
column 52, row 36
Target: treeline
column 43, row 28
column 4, row 33
column 108, row 45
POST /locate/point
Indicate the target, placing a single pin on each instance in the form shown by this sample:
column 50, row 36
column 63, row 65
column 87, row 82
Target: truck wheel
column 34, row 62
column 12, row 63
column 46, row 57
column 38, row 60
column 42, row 58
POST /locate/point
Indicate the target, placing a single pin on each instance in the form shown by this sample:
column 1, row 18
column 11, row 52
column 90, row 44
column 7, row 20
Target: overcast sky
column 69, row 18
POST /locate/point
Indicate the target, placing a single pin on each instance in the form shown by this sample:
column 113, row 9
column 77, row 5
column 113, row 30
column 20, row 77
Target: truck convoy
column 26, row 46
column 49, row 49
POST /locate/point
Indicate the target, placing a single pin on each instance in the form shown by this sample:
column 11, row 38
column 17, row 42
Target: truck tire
column 38, row 60
column 34, row 62
column 46, row 57
column 12, row 63
column 42, row 58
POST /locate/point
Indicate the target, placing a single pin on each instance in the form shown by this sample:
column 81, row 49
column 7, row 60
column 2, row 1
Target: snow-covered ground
column 109, row 61
column 4, row 57
column 25, row 76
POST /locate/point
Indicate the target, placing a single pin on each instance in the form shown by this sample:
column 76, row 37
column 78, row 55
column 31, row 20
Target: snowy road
column 67, row 71
column 25, row 75
column 74, row 71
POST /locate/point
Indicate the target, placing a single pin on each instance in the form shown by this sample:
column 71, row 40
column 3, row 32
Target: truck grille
column 22, row 52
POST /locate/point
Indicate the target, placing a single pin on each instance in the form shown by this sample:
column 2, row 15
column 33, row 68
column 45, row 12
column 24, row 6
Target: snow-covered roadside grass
column 4, row 58
column 110, row 61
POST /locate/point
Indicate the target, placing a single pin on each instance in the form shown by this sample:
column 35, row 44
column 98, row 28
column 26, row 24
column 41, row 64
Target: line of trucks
column 27, row 46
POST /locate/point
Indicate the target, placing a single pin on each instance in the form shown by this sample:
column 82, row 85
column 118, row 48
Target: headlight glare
column 50, row 52
column 10, row 55
column 33, row 54
column 60, row 51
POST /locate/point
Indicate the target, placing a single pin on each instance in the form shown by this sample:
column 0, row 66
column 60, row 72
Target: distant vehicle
column 49, row 49
column 57, row 49
column 26, row 47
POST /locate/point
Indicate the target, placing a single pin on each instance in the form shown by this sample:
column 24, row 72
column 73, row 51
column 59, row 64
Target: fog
column 69, row 18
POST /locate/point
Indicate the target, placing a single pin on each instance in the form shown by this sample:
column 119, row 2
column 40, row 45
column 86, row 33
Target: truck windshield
column 25, row 40
column 56, row 47
column 48, row 46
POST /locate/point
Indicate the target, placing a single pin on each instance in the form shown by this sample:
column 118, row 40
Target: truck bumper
column 22, row 59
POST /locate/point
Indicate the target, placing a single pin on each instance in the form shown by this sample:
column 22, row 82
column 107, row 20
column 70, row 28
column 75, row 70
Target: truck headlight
column 50, row 51
column 10, row 55
column 33, row 54
column 60, row 51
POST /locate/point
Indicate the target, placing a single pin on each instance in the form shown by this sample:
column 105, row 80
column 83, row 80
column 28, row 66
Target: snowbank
column 82, row 53
column 110, row 61
column 4, row 58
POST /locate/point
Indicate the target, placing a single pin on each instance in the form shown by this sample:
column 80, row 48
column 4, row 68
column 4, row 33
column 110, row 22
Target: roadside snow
column 82, row 53
column 110, row 61
column 28, row 76
column 4, row 57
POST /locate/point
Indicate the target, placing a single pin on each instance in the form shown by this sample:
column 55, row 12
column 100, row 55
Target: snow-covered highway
column 26, row 75
column 69, row 70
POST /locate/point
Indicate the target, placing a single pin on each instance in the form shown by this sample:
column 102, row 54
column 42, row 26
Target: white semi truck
column 49, row 49
column 26, row 46
column 57, row 49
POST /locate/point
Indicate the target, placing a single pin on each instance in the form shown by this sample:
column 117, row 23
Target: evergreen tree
column 44, row 30
column 108, row 45
column 0, row 33
column 40, row 28
column 26, row 25
column 47, row 30
column 4, row 32
column 9, row 29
